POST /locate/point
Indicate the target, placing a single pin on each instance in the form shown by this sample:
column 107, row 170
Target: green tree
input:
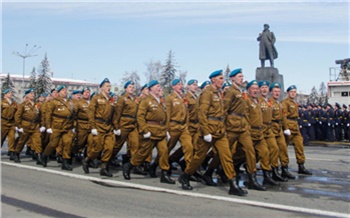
column 313, row 97
column 8, row 84
column 32, row 79
column 168, row 73
column 44, row 82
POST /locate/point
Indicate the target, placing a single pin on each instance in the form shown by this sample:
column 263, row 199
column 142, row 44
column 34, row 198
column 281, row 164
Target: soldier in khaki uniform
column 83, row 129
column 291, row 128
column 27, row 119
column 277, row 120
column 59, row 122
column 8, row 128
column 101, row 113
column 266, row 109
column 212, row 134
column 152, row 126
column 45, row 137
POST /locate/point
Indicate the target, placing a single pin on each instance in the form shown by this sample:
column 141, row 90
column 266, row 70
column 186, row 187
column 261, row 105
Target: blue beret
column 7, row 91
column 215, row 74
column 264, row 83
column 85, row 88
column 226, row 84
column 175, row 82
column 76, row 92
column 274, row 85
column 92, row 94
column 61, row 87
column 144, row 86
column 253, row 82
column 190, row 82
column 128, row 83
column 106, row 80
column 291, row 87
column 204, row 84
column 235, row 72
column 29, row 91
column 42, row 94
column 52, row 90
column 153, row 83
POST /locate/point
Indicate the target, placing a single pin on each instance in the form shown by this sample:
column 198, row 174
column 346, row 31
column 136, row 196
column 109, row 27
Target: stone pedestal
column 270, row 74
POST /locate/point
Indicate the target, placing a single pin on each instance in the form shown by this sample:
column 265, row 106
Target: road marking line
column 309, row 158
column 191, row 194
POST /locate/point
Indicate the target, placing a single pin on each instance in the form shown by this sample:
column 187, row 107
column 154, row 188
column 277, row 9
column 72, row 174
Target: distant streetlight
column 26, row 54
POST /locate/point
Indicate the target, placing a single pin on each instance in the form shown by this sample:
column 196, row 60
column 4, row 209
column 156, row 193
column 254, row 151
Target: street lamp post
column 26, row 54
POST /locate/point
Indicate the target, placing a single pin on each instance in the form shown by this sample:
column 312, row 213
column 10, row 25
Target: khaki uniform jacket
column 126, row 109
column 101, row 113
column 192, row 108
column 8, row 113
column 266, row 109
column 290, row 113
column 211, row 113
column 60, row 114
column 255, row 118
column 277, row 116
column 43, row 109
column 28, row 117
column 82, row 114
column 151, row 117
column 176, row 110
column 235, row 107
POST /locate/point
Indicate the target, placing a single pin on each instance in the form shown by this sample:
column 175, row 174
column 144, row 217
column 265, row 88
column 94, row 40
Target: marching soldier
column 27, row 119
column 304, row 124
column 330, row 123
column 291, row 128
column 103, row 130
column 212, row 134
column 152, row 126
column 60, row 121
column 8, row 128
column 345, row 122
column 338, row 117
column 76, row 96
column 277, row 123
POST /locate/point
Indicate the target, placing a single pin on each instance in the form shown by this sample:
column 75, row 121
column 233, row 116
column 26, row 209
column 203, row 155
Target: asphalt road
column 29, row 190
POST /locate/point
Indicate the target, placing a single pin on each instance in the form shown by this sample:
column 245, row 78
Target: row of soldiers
column 324, row 123
column 223, row 128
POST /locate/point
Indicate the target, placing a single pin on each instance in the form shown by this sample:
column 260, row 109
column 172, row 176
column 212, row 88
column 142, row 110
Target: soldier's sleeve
column 247, row 111
column 141, row 117
column 18, row 116
column 91, row 112
column 168, row 106
column 227, row 102
column 49, row 111
column 204, row 105
column 42, row 113
column 284, row 114
column 118, row 112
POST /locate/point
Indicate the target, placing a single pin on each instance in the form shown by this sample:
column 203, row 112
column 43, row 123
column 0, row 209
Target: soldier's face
column 86, row 94
column 48, row 98
column 218, row 81
column 238, row 79
column 155, row 90
column 30, row 96
column 63, row 93
column 145, row 91
column 264, row 90
column 292, row 93
column 106, row 88
column 54, row 94
column 77, row 96
column 193, row 87
column 276, row 93
column 8, row 95
column 41, row 98
column 178, row 88
column 130, row 89
column 253, row 91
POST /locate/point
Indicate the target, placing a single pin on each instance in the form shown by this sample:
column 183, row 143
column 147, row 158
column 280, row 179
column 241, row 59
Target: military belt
column 267, row 123
column 292, row 118
column 128, row 116
column 7, row 119
column 305, row 121
column 194, row 121
column 63, row 117
column 155, row 122
column 215, row 118
column 83, row 120
column 236, row 114
column 257, row 127
column 32, row 121
column 277, row 121
column 100, row 120
column 178, row 122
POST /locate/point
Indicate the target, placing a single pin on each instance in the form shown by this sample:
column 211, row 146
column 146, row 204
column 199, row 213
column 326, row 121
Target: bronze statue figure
column 267, row 48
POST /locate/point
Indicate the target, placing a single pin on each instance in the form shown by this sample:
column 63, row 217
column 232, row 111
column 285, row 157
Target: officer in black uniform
column 345, row 122
column 312, row 121
column 338, row 117
column 330, row 123
column 304, row 124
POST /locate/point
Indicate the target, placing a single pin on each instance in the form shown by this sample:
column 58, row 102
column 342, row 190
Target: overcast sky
column 90, row 41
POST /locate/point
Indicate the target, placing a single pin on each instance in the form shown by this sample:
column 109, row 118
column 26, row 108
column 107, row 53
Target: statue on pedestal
column 267, row 49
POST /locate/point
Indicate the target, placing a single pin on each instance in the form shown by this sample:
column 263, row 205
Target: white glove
column 329, row 124
column 336, row 124
column 309, row 124
column 42, row 129
column 348, row 124
column 20, row 130
column 147, row 135
column 117, row 132
column 73, row 130
column 320, row 123
column 16, row 128
column 207, row 138
column 168, row 136
column 49, row 131
column 300, row 127
column 94, row 131
column 287, row 132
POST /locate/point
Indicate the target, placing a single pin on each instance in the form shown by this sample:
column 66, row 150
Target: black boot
column 303, row 170
column 268, row 179
column 12, row 155
column 39, row 160
column 253, row 183
column 152, row 170
column 165, row 177
column 235, row 189
column 59, row 158
column 126, row 170
column 104, row 170
column 138, row 170
column 34, row 155
column 85, row 166
column 29, row 151
column 9, row 153
column 286, row 173
column 16, row 157
column 93, row 164
column 125, row 159
column 222, row 174
column 185, row 182
column 196, row 177
column 146, row 166
column 65, row 165
column 44, row 160
column 208, row 177
column 276, row 176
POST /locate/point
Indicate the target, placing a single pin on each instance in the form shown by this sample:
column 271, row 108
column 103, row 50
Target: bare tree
column 154, row 69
